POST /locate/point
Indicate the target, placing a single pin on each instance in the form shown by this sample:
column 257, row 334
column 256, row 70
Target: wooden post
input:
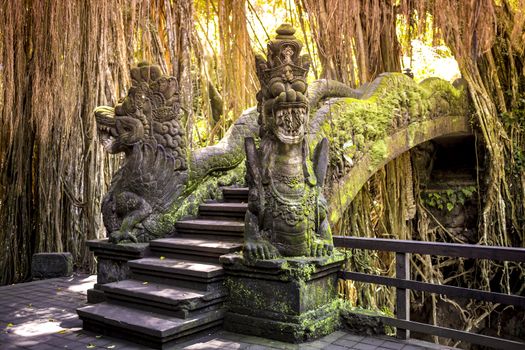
column 402, row 294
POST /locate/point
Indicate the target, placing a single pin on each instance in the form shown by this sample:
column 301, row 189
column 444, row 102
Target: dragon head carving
column 150, row 114
column 117, row 134
column 282, row 104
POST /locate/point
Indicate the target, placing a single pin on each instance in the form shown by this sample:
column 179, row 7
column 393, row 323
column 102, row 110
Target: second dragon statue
column 287, row 212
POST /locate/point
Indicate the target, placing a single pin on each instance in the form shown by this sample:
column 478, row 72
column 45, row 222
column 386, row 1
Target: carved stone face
column 290, row 122
column 150, row 114
column 118, row 134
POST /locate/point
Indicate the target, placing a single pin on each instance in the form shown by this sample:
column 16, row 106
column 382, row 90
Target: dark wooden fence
column 403, row 284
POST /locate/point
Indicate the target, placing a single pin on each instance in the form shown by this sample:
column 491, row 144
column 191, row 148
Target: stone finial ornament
column 287, row 212
column 146, row 126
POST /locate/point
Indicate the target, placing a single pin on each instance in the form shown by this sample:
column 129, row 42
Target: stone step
column 152, row 329
column 180, row 272
column 229, row 228
column 235, row 194
column 163, row 298
column 223, row 210
column 195, row 248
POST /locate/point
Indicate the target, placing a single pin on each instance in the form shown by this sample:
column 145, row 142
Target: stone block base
column 112, row 263
column 292, row 300
column 51, row 265
column 95, row 295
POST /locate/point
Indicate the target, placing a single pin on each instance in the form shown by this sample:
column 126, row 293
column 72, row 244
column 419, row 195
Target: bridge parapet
column 386, row 118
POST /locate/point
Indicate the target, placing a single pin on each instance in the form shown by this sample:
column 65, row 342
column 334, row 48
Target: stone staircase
column 176, row 289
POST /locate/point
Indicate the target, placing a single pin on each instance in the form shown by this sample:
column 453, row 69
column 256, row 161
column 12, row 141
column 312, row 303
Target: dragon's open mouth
column 290, row 120
column 107, row 128
column 107, row 136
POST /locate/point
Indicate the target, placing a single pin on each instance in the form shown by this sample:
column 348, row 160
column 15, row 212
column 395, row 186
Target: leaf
column 144, row 283
column 62, row 331
column 10, row 325
column 162, row 258
column 110, row 347
column 466, row 192
column 450, row 206
column 98, row 336
column 90, row 346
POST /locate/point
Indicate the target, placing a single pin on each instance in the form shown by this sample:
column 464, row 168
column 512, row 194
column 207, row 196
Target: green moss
column 315, row 327
column 303, row 273
column 444, row 99
column 355, row 124
column 242, row 294
column 378, row 152
column 197, row 193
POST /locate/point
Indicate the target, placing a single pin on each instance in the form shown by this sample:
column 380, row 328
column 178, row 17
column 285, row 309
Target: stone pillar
column 112, row 262
column 289, row 299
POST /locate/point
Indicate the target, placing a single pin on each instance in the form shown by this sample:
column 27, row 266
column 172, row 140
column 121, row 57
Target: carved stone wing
column 321, row 161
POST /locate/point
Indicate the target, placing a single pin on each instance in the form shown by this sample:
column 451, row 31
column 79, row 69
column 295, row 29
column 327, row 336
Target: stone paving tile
column 41, row 315
column 372, row 341
column 334, row 347
column 391, row 345
column 334, row 336
column 345, row 342
column 353, row 337
column 364, row 346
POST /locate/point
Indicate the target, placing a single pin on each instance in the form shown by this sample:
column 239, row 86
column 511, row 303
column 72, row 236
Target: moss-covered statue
column 287, row 213
column 146, row 127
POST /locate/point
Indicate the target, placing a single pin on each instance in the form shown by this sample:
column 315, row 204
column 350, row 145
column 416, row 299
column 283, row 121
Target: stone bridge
column 367, row 128
column 388, row 148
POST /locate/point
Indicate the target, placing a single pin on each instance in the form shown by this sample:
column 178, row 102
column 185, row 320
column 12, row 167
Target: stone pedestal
column 112, row 262
column 292, row 300
column 51, row 265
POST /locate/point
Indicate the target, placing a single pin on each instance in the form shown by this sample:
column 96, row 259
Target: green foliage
column 387, row 104
column 449, row 198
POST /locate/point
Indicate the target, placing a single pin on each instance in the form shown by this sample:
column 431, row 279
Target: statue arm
column 256, row 246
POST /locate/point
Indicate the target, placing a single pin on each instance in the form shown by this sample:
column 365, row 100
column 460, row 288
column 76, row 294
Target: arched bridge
column 381, row 121
column 366, row 127
column 390, row 147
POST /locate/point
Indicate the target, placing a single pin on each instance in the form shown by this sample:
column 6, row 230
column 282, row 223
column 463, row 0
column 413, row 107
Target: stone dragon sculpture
column 146, row 127
column 287, row 213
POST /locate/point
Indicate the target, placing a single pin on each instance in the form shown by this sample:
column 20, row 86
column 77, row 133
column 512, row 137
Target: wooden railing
column 403, row 284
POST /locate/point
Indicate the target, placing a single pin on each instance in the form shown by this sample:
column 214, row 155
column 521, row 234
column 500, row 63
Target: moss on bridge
column 393, row 101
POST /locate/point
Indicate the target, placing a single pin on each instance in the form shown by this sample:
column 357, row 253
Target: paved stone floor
column 41, row 315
